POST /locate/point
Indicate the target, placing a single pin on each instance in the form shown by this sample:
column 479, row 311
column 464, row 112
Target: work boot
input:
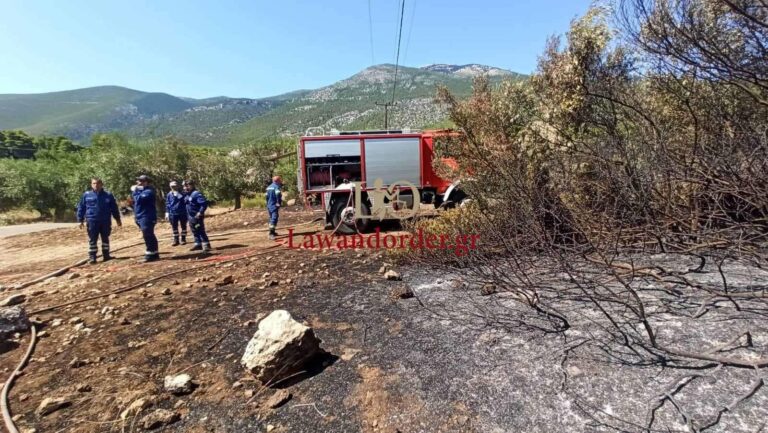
column 152, row 258
column 92, row 260
column 175, row 241
column 197, row 247
column 206, row 247
column 183, row 240
column 106, row 257
column 271, row 236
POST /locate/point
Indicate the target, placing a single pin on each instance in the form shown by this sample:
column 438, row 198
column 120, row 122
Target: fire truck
column 343, row 170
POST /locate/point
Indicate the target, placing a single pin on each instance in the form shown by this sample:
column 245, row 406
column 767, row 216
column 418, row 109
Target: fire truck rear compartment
column 331, row 171
column 392, row 160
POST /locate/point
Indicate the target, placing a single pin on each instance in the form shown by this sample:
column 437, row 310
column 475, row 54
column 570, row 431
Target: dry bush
column 632, row 161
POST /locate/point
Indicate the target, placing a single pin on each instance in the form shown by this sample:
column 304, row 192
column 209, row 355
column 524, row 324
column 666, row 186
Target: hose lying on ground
column 7, row 418
column 261, row 251
column 9, row 424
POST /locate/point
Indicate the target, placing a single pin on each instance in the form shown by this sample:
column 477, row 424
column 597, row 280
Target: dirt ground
column 393, row 365
column 120, row 347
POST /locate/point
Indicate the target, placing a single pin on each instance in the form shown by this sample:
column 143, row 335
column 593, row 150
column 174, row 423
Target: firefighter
column 176, row 213
column 96, row 208
column 145, row 212
column 274, row 200
column 196, row 205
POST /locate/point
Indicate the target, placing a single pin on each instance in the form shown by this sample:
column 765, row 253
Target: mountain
column 470, row 70
column 79, row 113
column 347, row 104
column 350, row 104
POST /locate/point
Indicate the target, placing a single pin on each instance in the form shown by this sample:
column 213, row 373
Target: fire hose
column 7, row 418
column 9, row 424
column 341, row 220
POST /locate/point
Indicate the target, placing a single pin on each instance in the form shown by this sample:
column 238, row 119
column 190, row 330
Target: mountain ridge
column 348, row 103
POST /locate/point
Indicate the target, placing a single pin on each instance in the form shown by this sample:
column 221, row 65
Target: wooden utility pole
column 386, row 106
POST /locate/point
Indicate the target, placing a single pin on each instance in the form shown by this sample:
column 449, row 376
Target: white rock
column 12, row 320
column 392, row 275
column 178, row 384
column 280, row 347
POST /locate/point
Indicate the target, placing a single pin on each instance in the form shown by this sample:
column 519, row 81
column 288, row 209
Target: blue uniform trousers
column 96, row 229
column 176, row 221
column 150, row 240
column 274, row 215
column 198, row 229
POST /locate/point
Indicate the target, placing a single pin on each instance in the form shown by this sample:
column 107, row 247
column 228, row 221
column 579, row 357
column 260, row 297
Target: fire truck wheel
column 457, row 199
column 345, row 219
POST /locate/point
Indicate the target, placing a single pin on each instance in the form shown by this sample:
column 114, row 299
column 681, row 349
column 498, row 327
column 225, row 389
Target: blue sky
column 258, row 48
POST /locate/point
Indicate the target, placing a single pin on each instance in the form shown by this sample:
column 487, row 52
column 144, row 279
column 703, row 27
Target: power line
column 410, row 30
column 394, row 46
column 397, row 57
column 391, row 102
column 370, row 30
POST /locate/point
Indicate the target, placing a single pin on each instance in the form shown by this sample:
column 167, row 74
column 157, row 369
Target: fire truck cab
column 335, row 167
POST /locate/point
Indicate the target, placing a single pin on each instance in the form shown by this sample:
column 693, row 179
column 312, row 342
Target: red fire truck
column 334, row 167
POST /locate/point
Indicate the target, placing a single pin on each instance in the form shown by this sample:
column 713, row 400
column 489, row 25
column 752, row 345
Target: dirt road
column 21, row 229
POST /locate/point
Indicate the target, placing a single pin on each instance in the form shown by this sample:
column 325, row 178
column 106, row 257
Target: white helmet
column 174, row 184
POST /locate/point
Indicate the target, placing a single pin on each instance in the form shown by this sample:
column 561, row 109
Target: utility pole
column 386, row 106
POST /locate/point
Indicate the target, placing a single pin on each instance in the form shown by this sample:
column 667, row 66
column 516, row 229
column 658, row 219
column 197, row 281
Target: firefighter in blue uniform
column 145, row 212
column 196, row 206
column 176, row 213
column 274, row 200
column 97, row 207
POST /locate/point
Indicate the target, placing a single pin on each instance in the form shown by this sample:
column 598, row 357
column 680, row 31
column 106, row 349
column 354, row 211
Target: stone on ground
column 159, row 418
column 12, row 320
column 178, row 384
column 135, row 407
column 280, row 347
column 392, row 275
column 279, row 398
column 488, row 289
column 18, row 298
column 52, row 404
column 229, row 279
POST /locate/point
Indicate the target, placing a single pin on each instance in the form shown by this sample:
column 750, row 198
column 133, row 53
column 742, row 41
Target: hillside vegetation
column 79, row 113
column 347, row 104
